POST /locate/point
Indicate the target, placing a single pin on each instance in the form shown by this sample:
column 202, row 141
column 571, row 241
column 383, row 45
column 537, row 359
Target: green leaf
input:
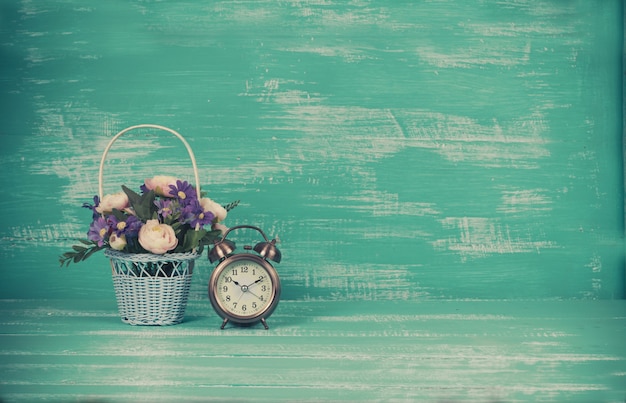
column 144, row 206
column 79, row 253
column 121, row 216
column 133, row 197
column 192, row 239
column 210, row 237
column 91, row 252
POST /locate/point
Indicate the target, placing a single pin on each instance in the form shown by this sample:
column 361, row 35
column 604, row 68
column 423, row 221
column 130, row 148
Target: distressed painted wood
column 455, row 351
column 446, row 179
column 470, row 150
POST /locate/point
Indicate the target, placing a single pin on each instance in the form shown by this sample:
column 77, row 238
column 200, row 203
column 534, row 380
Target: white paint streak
column 520, row 201
column 462, row 139
column 467, row 58
column 377, row 204
column 479, row 236
column 519, row 144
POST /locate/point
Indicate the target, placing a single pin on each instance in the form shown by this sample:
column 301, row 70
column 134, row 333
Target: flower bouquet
column 152, row 239
column 167, row 217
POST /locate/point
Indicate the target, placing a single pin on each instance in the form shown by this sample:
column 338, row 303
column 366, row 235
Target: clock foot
column 224, row 324
column 264, row 323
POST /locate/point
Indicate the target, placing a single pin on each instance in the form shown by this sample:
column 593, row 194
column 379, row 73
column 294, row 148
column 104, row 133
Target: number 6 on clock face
column 244, row 288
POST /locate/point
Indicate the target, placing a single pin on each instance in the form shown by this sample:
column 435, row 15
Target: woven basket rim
column 150, row 257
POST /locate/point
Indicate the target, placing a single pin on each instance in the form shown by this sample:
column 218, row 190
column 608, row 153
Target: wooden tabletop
column 444, row 351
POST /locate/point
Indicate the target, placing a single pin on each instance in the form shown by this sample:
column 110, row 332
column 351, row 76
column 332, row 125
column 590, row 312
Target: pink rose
column 218, row 211
column 161, row 184
column 157, row 238
column 117, row 201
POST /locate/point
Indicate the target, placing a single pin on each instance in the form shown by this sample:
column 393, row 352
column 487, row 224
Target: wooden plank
column 469, row 150
column 452, row 351
column 446, row 180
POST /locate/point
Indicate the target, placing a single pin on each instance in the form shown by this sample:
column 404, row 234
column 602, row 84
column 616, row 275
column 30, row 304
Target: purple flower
column 133, row 225
column 129, row 227
column 99, row 231
column 165, row 207
column 184, row 191
column 92, row 207
column 194, row 215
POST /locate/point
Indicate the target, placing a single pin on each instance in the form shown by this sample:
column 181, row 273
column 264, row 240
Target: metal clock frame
column 223, row 311
column 222, row 251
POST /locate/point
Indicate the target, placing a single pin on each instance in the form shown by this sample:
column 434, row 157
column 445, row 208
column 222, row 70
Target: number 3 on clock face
column 244, row 289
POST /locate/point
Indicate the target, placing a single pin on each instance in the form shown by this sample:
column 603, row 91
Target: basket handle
column 142, row 126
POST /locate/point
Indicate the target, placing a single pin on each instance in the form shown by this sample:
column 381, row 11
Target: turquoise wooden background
column 414, row 150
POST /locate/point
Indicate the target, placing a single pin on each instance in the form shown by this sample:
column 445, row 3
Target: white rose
column 218, row 211
column 161, row 184
column 157, row 238
column 117, row 242
column 117, row 201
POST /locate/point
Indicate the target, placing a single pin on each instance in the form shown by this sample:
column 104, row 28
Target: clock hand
column 258, row 281
column 257, row 297
column 246, row 288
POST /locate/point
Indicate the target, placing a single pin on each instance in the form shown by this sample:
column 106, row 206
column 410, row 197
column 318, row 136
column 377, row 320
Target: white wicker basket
column 151, row 289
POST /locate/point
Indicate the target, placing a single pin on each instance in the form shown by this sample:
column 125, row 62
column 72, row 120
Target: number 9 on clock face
column 244, row 289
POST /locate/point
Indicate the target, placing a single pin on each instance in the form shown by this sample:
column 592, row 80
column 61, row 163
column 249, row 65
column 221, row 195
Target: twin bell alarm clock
column 244, row 287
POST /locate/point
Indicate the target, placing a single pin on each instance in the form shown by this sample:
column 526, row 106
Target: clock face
column 244, row 288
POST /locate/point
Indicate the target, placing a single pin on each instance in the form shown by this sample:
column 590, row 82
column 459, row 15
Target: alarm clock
column 244, row 288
